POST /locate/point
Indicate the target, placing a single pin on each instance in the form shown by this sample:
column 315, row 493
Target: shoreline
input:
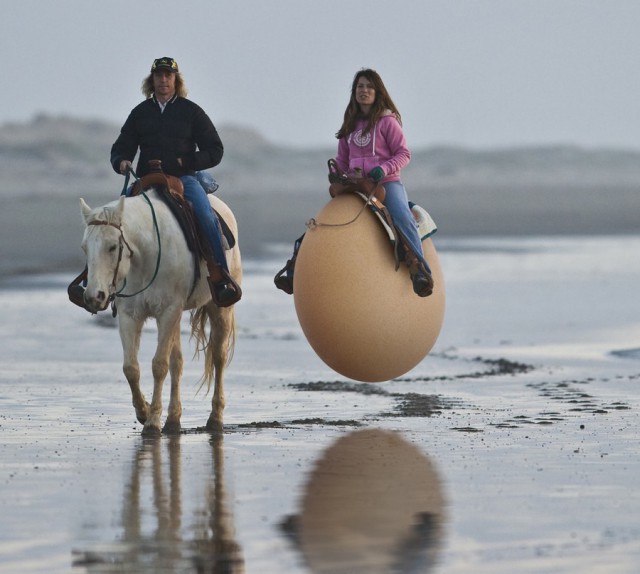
column 43, row 232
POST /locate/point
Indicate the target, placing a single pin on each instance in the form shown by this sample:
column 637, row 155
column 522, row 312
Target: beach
column 520, row 425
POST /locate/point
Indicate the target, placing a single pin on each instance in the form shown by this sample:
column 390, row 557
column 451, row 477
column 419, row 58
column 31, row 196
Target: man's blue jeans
column 206, row 217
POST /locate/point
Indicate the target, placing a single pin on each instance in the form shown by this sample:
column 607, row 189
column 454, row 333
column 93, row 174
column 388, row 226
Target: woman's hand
column 376, row 174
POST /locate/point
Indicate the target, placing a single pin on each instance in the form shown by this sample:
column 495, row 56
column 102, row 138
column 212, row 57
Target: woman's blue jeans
column 206, row 217
column 397, row 203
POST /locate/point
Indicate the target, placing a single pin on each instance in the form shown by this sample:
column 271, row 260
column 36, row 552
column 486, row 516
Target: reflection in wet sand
column 214, row 546
column 373, row 504
column 164, row 544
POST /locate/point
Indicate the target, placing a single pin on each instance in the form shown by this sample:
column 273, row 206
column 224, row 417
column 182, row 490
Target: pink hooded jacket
column 385, row 146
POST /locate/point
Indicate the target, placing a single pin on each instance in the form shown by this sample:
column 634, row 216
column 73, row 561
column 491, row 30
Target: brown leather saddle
column 171, row 191
column 340, row 182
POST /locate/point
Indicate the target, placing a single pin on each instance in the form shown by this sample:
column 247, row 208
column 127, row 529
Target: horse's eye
column 112, row 248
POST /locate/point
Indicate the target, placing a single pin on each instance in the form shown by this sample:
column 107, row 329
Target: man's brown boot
column 224, row 290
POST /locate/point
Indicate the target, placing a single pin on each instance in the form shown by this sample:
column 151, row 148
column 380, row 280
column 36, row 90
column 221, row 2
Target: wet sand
column 519, row 433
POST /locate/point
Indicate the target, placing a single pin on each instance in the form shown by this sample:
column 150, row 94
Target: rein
column 313, row 222
column 155, row 273
column 346, row 183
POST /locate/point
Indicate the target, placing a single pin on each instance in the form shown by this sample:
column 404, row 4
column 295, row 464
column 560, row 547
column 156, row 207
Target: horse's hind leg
column 221, row 344
column 176, row 362
column 215, row 421
column 130, row 332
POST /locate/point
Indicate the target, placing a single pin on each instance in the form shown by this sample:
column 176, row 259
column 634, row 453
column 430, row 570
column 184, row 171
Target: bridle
column 121, row 244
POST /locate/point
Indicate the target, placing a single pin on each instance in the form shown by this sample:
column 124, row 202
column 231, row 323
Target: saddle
column 171, row 191
column 157, row 178
column 340, row 182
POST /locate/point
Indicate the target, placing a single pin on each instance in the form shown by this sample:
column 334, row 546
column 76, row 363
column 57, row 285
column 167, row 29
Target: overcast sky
column 481, row 73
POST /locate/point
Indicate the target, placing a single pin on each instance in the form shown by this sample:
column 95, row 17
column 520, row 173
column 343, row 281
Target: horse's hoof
column 171, row 428
column 143, row 415
column 151, row 430
column 214, row 426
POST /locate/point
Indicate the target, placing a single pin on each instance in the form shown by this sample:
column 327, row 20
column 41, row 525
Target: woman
column 169, row 127
column 371, row 143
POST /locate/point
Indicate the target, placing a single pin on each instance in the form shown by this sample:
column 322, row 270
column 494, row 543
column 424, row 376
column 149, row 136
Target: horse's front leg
column 168, row 331
column 130, row 333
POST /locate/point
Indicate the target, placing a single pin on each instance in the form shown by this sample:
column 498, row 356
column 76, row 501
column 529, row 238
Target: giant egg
column 358, row 313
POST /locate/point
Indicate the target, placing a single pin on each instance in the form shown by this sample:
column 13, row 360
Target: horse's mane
column 107, row 213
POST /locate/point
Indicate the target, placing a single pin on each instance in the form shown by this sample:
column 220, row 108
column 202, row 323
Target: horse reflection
column 374, row 504
column 163, row 537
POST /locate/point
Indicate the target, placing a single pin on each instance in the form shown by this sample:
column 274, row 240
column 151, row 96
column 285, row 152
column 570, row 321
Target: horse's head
column 107, row 251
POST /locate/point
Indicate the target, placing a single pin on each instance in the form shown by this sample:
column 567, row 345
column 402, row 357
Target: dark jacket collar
column 173, row 99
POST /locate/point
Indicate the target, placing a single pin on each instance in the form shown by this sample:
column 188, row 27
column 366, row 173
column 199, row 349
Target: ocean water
column 522, row 422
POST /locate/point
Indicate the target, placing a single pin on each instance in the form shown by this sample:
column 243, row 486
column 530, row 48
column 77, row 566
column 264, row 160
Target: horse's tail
column 214, row 331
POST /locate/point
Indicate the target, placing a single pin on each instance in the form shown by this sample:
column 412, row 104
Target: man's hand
column 125, row 165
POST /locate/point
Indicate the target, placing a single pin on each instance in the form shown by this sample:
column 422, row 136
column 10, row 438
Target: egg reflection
column 374, row 504
column 358, row 313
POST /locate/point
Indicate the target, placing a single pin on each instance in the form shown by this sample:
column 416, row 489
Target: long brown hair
column 382, row 104
column 147, row 86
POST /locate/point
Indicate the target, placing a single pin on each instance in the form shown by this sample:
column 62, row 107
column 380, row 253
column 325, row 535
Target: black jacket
column 183, row 131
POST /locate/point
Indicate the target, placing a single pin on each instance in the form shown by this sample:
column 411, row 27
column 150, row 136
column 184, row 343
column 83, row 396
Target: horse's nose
column 96, row 301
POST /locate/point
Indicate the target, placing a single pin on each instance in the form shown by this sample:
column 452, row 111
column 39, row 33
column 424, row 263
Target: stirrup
column 75, row 291
column 76, row 295
column 283, row 279
column 224, row 292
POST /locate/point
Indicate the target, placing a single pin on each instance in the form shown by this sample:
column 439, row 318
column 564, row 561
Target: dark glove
column 376, row 174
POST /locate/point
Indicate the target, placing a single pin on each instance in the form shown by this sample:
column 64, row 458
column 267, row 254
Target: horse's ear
column 119, row 209
column 85, row 209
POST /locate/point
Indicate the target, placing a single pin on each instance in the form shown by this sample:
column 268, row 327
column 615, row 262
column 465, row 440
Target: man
column 170, row 128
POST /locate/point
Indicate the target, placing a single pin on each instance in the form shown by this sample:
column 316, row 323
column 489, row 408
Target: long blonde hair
column 147, row 86
column 382, row 104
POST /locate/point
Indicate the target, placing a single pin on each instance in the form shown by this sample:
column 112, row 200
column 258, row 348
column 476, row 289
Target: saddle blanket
column 426, row 225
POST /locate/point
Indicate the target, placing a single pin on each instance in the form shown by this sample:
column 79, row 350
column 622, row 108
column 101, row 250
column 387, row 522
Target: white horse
column 137, row 254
